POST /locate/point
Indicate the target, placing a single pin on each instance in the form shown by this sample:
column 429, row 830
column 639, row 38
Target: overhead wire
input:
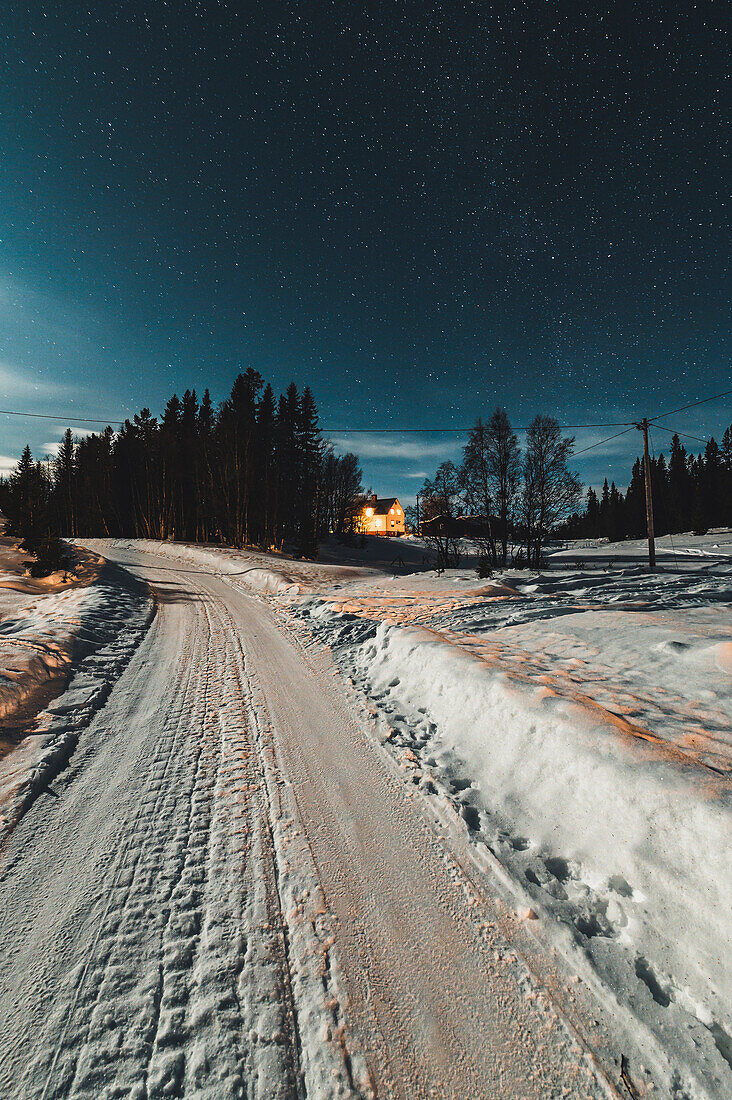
column 693, row 404
column 62, row 416
column 601, row 441
column 685, row 435
column 625, row 424
column 329, row 430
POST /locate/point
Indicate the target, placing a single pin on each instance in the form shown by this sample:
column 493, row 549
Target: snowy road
column 231, row 892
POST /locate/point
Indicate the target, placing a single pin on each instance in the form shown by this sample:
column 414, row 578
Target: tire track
column 141, row 840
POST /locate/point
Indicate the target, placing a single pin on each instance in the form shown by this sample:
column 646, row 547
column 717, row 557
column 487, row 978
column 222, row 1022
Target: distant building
column 383, row 516
column 456, row 527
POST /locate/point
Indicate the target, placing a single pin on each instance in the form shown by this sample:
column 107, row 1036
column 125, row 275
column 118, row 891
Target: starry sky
column 420, row 209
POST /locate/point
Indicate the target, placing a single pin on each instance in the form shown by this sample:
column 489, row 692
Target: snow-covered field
column 573, row 727
column 580, row 722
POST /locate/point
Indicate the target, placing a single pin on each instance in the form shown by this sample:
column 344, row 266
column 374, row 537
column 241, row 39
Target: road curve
column 150, row 943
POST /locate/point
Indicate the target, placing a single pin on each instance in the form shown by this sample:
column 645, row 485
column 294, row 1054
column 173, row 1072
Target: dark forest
column 690, row 493
column 255, row 471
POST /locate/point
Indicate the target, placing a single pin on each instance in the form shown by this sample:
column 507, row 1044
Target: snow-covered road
column 233, row 891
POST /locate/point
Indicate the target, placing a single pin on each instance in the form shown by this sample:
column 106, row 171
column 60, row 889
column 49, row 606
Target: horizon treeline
column 691, row 492
column 254, row 471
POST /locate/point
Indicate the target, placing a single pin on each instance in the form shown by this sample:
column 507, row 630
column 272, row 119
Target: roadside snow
column 589, row 748
column 578, row 721
column 84, row 637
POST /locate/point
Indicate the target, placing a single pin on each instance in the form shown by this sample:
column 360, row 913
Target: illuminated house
column 383, row 516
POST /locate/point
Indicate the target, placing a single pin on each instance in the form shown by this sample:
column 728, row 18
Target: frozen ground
column 580, row 721
column 234, row 891
column 68, row 633
column 336, row 832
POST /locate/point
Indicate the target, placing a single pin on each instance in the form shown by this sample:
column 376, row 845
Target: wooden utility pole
column 643, row 427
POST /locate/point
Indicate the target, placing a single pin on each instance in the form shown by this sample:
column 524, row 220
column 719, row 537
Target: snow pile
column 87, row 634
column 223, row 561
column 614, row 833
column 270, row 583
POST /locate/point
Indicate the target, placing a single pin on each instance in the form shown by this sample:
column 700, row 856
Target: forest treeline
column 513, row 500
column 691, row 492
column 254, row 471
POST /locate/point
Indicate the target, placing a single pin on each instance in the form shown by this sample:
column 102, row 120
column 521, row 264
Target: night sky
column 422, row 210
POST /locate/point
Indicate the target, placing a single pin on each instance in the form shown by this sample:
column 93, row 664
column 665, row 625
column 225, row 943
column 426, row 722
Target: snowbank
column 38, row 642
column 84, row 636
column 613, row 832
column 223, row 561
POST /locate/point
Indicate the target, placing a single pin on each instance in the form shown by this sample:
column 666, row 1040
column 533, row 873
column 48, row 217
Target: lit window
column 369, row 511
column 391, row 511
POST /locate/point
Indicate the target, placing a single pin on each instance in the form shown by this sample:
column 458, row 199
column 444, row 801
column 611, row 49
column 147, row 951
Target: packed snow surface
column 572, row 726
column 234, row 891
column 579, row 721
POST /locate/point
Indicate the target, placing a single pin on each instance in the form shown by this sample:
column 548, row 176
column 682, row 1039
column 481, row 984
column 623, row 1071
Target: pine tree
column 711, row 484
column 27, row 500
column 678, row 487
column 592, row 514
column 309, row 461
column 65, row 479
column 725, row 515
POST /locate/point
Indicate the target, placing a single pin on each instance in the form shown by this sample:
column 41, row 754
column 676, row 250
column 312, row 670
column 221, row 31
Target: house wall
column 390, row 524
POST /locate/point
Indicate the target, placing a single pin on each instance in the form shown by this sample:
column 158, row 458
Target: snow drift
column 84, row 636
column 612, row 831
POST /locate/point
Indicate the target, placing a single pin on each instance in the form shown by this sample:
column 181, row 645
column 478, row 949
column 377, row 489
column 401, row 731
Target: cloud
column 602, row 446
column 17, row 382
column 77, row 431
column 52, row 447
column 377, row 445
column 7, row 465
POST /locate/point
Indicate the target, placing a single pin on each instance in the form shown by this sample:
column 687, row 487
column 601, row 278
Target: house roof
column 382, row 505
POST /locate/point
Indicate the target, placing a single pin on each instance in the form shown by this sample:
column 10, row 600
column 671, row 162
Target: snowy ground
column 68, row 633
column 490, row 821
column 580, row 722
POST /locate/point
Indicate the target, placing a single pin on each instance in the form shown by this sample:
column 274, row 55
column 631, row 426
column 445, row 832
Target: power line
column 327, row 430
column 402, row 431
column 601, row 441
column 62, row 416
column 685, row 435
column 703, row 401
column 330, row 431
